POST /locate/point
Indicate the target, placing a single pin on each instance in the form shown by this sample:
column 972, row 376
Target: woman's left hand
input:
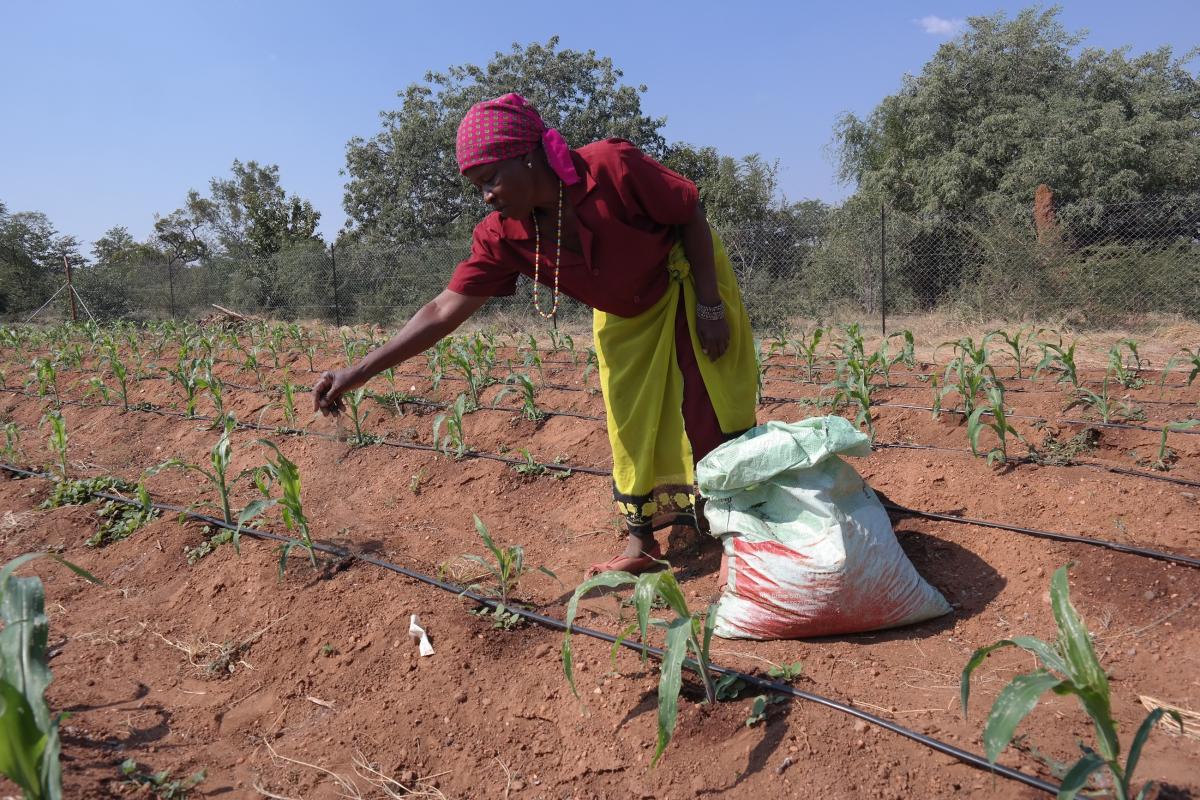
column 714, row 337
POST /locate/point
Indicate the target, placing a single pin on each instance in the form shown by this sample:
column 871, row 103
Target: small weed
column 529, row 467
column 415, row 480
column 209, row 544
column 787, row 673
column 1054, row 453
column 120, row 520
column 160, row 783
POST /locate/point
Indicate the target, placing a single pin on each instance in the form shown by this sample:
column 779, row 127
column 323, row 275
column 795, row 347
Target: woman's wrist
column 711, row 312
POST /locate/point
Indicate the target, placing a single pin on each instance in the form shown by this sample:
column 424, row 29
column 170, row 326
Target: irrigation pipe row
column 553, row 623
column 767, row 400
column 585, row 469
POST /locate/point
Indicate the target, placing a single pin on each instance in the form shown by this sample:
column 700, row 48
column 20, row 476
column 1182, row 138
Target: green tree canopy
column 31, row 258
column 249, row 215
column 1009, row 105
column 403, row 182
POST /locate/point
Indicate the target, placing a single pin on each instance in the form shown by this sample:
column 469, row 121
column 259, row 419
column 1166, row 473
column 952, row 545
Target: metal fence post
column 883, row 267
column 70, row 289
column 337, row 306
column 171, row 281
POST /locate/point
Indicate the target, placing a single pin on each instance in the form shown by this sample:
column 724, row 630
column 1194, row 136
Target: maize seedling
column 684, row 633
column 453, row 419
column 284, row 472
column 1069, row 667
column 999, row 425
column 1126, row 372
column 31, row 746
column 1103, row 404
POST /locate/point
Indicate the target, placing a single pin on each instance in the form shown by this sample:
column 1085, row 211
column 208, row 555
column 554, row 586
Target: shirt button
column 595, row 272
column 637, row 298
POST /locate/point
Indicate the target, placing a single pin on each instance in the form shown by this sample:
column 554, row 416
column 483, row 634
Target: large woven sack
column 810, row 549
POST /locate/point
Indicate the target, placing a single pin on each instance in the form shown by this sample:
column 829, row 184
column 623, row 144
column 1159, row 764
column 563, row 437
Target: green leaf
column 607, row 579
column 977, row 658
column 1077, row 778
column 22, row 743
column 254, row 509
column 1012, row 705
column 1143, row 733
column 670, row 680
column 1088, row 678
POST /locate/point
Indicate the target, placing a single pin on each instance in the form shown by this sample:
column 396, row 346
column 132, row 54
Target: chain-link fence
column 1091, row 263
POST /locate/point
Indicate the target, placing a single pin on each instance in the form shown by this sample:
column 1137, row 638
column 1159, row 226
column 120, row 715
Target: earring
column 529, row 164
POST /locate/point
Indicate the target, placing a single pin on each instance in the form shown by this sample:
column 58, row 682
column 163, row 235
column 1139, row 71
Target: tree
column 31, row 259
column 251, row 215
column 1006, row 107
column 403, row 182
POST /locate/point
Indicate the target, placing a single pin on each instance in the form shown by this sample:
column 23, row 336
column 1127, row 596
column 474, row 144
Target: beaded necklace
column 537, row 258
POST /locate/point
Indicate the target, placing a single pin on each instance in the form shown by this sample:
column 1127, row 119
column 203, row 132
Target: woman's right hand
column 328, row 390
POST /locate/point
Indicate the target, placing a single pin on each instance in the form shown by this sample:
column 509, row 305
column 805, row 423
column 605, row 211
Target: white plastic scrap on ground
column 417, row 633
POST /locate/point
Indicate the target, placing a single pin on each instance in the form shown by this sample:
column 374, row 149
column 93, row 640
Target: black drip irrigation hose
column 965, row 756
column 1150, row 476
column 1186, row 561
column 765, row 400
column 1064, row 537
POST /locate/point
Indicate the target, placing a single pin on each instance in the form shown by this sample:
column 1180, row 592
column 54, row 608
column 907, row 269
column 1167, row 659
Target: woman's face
column 507, row 186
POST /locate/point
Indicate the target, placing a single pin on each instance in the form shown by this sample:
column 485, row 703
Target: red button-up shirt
column 628, row 206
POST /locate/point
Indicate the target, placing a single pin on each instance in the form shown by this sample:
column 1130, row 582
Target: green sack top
column 763, row 452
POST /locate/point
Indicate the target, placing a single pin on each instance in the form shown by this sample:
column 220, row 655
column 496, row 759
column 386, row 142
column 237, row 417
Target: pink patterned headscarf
column 506, row 127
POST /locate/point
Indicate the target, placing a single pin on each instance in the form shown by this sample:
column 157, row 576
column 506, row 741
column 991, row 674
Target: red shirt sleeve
column 484, row 272
column 664, row 196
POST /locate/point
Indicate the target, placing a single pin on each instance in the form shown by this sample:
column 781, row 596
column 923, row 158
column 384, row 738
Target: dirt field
column 297, row 687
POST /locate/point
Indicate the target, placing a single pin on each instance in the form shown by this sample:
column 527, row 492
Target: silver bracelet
column 710, row 313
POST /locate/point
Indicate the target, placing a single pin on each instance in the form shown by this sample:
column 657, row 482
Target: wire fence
column 1091, row 263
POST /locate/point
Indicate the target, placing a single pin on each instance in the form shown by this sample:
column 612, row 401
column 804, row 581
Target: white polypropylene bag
column 810, row 548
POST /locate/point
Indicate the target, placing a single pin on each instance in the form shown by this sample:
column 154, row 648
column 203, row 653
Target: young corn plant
column 216, row 393
column 529, row 467
column 591, row 364
column 529, row 407
column 968, row 374
column 188, row 376
column 358, row 415
column 853, row 386
column 1104, row 404
column 684, row 633
column 1166, row 457
column 30, row 749
column 1019, row 345
column 505, row 569
column 59, row 441
column 394, row 400
column 882, row 360
column 1188, row 358
column 12, row 443
column 1126, row 368
column 1061, row 360
column 286, row 474
column 998, row 424
column 1069, row 667
column 46, row 374
column 287, row 400
column 217, row 473
column 453, row 420
column 120, row 373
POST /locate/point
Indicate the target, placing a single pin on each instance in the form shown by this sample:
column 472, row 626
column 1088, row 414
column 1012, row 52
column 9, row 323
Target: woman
column 612, row 228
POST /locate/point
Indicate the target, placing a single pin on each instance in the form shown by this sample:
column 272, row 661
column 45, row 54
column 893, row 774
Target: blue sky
column 112, row 111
